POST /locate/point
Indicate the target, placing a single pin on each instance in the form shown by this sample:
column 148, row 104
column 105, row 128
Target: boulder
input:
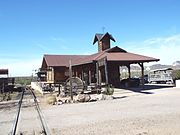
column 100, row 97
column 83, row 98
column 108, row 97
column 104, row 97
column 59, row 102
column 93, row 98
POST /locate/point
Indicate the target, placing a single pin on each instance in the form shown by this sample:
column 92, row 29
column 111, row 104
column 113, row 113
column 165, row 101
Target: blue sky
column 31, row 28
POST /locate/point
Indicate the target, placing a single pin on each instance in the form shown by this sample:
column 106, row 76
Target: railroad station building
column 101, row 67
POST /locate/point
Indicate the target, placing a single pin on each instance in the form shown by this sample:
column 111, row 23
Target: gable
column 44, row 64
column 99, row 37
column 116, row 49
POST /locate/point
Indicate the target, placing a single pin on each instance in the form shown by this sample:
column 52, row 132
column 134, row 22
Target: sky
column 31, row 28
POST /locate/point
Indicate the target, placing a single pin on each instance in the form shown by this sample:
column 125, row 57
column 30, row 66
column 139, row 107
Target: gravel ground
column 151, row 112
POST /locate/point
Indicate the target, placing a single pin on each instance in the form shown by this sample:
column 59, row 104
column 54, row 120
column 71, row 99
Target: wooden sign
column 3, row 71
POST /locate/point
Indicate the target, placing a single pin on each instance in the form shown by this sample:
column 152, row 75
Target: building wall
column 50, row 75
column 57, row 74
column 106, row 43
column 100, row 46
column 61, row 74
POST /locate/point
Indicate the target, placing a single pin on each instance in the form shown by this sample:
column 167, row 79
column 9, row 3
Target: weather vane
column 103, row 28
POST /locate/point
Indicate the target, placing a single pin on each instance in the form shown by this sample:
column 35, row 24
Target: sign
column 3, row 71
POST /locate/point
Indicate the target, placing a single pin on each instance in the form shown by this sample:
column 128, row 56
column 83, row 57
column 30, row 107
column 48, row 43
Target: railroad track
column 26, row 93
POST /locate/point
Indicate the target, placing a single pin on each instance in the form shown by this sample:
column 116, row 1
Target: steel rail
column 18, row 113
column 43, row 122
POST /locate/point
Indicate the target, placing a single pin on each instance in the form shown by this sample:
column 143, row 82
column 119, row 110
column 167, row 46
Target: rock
column 87, row 98
column 93, row 98
column 108, row 97
column 62, row 94
column 83, row 98
column 103, row 90
column 67, row 101
column 75, row 99
column 100, row 97
column 104, row 97
column 59, row 102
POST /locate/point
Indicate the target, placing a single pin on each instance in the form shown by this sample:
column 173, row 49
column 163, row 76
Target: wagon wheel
column 77, row 85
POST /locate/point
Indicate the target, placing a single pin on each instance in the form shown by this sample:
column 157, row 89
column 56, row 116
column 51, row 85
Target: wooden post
column 89, row 76
column 76, row 74
column 142, row 73
column 59, row 87
column 82, row 75
column 70, row 76
column 129, row 71
column 119, row 73
column 100, row 79
column 52, row 76
column 3, row 87
column 106, row 71
column 97, row 73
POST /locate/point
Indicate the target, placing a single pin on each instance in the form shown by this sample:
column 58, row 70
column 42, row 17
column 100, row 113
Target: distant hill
column 24, row 80
column 175, row 65
column 159, row 66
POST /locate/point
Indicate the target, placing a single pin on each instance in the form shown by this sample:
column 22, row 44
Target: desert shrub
column 23, row 80
column 109, row 90
column 176, row 74
column 51, row 99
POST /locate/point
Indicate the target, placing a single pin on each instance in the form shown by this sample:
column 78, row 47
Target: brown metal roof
column 115, row 54
column 127, row 57
column 112, row 54
column 61, row 60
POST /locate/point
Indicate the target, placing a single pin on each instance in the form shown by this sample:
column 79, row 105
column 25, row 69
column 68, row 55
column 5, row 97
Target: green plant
column 23, row 80
column 51, row 99
column 109, row 90
column 176, row 74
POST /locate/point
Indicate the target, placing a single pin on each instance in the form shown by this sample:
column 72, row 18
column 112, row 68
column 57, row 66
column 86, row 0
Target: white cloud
column 42, row 47
column 21, row 67
column 52, row 44
column 164, row 48
column 60, row 43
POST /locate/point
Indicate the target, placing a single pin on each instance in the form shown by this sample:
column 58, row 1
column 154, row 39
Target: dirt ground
column 154, row 111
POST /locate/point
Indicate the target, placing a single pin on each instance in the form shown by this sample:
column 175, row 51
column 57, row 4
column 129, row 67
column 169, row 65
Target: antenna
column 103, row 28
